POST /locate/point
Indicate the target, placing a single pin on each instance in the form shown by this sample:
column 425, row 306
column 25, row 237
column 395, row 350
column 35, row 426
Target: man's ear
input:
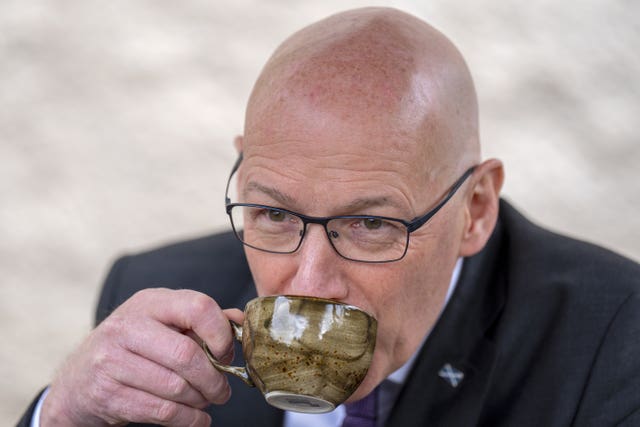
column 237, row 142
column 481, row 210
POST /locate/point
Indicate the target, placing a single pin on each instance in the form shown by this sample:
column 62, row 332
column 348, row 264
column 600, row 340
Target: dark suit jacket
column 546, row 330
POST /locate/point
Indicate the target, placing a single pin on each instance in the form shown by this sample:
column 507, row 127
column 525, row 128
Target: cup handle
column 234, row 370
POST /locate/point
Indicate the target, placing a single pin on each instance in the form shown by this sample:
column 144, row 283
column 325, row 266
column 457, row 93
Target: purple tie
column 362, row 413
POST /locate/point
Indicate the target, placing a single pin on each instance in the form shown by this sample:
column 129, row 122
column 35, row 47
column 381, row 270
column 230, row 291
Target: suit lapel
column 448, row 383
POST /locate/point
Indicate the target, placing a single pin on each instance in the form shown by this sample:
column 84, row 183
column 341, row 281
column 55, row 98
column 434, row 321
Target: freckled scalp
column 379, row 68
column 360, row 56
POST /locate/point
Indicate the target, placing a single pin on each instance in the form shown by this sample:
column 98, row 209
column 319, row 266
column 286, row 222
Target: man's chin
column 370, row 382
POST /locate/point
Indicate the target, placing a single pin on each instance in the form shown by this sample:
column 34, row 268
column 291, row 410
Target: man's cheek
column 269, row 276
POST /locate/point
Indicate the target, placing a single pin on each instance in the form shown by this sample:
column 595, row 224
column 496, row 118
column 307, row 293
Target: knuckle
column 137, row 298
column 184, row 352
column 202, row 304
column 144, row 297
column 176, row 386
column 144, row 294
column 100, row 393
column 113, row 326
column 104, row 349
column 99, row 367
column 101, row 362
column 166, row 411
column 221, row 391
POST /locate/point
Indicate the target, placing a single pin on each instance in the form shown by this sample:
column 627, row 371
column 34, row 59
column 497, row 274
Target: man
column 484, row 319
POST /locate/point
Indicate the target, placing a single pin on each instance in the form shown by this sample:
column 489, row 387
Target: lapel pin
column 451, row 375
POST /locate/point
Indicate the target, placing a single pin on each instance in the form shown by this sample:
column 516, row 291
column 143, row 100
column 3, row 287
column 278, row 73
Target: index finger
column 189, row 310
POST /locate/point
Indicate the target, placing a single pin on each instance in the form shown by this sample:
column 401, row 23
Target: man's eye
column 372, row 223
column 276, row 216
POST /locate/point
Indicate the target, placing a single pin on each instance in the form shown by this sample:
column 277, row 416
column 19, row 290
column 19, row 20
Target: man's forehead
column 331, row 152
column 335, row 148
column 339, row 149
column 330, row 183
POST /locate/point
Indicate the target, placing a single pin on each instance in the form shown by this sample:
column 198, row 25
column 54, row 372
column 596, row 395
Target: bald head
column 379, row 68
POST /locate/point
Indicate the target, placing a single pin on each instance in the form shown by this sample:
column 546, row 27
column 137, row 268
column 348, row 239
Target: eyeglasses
column 362, row 238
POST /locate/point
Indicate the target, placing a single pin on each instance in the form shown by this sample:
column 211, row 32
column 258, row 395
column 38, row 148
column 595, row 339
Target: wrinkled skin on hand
column 144, row 364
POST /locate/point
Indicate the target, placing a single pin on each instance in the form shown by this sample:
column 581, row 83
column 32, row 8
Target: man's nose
column 319, row 269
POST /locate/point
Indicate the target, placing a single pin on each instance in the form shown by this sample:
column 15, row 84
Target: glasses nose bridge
column 323, row 221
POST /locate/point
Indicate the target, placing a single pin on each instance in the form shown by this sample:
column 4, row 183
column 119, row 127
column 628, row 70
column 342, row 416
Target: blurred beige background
column 117, row 120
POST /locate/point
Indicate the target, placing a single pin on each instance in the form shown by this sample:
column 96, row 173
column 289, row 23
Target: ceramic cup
column 304, row 354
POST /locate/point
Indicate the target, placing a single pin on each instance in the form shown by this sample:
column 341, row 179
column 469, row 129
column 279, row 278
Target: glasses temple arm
column 419, row 222
column 236, row 165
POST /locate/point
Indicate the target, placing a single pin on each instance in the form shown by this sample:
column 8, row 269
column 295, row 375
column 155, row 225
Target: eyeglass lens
column 359, row 238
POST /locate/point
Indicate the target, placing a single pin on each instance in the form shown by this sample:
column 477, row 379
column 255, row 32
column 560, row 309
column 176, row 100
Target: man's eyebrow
column 361, row 204
column 275, row 194
column 356, row 206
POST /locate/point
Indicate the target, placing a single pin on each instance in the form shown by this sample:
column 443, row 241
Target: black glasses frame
column 411, row 226
column 324, row 221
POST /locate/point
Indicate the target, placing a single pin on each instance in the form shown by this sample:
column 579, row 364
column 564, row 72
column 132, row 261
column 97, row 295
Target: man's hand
column 143, row 364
